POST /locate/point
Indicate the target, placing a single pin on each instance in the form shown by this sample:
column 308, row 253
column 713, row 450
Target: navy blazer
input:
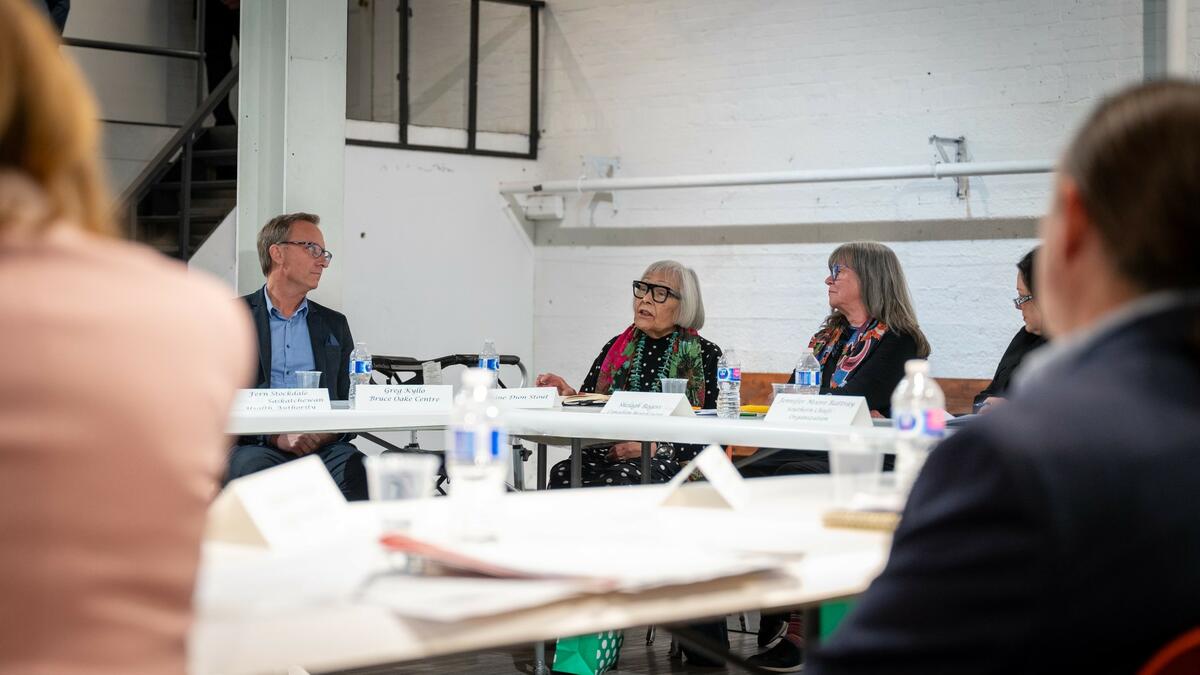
column 331, row 344
column 1059, row 534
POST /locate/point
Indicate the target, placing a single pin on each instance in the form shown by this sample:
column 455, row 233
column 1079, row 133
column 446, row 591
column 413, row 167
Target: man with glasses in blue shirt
column 296, row 334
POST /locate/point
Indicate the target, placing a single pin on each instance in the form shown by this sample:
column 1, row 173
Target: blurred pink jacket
column 117, row 369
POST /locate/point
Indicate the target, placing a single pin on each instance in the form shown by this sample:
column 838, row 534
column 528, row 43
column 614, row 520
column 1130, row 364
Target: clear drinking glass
column 399, row 476
column 308, row 379
column 673, row 385
column 856, row 464
column 778, row 388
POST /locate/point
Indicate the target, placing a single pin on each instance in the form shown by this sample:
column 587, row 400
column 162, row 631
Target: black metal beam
column 201, row 71
column 473, row 78
column 134, row 49
column 537, row 4
column 534, row 20
column 403, row 74
column 472, row 87
column 437, row 148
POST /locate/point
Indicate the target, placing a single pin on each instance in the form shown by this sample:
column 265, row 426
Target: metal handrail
column 393, row 366
column 130, row 48
column 161, row 161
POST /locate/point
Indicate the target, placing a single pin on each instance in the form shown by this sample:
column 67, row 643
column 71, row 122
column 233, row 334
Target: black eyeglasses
column 657, row 293
column 1020, row 300
column 314, row 249
column 836, row 270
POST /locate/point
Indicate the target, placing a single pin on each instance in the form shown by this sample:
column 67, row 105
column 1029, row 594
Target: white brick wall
column 697, row 86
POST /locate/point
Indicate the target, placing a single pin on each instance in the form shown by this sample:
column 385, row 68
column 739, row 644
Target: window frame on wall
column 404, row 12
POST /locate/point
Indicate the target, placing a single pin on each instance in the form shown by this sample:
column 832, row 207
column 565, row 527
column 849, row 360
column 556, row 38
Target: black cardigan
column 877, row 376
column 1022, row 343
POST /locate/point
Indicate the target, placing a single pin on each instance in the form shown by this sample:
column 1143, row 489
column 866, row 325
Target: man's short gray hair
column 691, row 304
column 276, row 231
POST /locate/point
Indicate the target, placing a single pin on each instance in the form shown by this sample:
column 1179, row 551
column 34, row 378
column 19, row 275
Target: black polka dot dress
column 598, row 467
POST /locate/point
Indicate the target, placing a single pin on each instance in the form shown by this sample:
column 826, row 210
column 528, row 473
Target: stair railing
column 183, row 141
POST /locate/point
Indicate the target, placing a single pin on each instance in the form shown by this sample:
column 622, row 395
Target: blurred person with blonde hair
column 120, row 371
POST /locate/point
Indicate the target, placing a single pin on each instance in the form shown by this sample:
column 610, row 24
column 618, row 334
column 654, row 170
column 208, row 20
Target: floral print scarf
column 861, row 341
column 623, row 370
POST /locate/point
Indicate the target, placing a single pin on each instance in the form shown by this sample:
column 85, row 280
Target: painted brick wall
column 701, row 86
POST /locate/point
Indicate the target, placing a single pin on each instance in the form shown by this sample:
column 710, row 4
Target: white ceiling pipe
column 942, row 170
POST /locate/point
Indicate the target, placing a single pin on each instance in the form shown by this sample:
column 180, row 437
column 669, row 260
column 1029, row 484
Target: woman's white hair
column 691, row 304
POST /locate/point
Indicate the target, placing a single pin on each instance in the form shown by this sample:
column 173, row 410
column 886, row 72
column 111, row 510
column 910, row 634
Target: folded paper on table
column 265, row 401
column 449, row 599
column 536, row 398
column 404, row 398
column 806, row 409
column 727, row 488
column 284, row 507
column 648, row 404
column 586, row 556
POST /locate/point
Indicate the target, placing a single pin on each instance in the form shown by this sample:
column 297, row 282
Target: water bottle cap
column 916, row 366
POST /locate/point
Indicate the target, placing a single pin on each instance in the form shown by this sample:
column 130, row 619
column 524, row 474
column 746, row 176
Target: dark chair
column 407, row 370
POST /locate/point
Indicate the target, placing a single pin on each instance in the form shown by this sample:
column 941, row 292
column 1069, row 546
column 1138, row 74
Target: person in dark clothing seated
column 871, row 331
column 1026, row 340
column 1059, row 534
column 297, row 334
column 662, row 341
column 862, row 345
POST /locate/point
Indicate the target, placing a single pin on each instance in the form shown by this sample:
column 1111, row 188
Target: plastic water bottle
column 808, row 374
column 919, row 415
column 489, row 359
column 360, row 368
column 476, row 456
column 729, row 385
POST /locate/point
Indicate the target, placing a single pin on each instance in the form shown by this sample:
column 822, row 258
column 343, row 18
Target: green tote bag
column 590, row 654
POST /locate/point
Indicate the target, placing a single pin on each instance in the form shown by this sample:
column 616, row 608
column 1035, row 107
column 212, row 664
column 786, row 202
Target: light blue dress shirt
column 291, row 347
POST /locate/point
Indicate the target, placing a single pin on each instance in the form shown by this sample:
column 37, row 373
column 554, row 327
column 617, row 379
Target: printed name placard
column 283, row 507
column 414, row 398
column 805, row 409
column 649, row 404
column 728, row 488
column 527, row 397
column 252, row 401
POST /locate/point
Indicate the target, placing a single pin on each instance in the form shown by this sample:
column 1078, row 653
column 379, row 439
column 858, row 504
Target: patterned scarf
column 860, row 344
column 622, row 368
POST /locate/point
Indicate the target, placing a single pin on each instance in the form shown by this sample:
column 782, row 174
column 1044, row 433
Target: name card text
column 805, row 409
column 648, row 404
column 414, row 398
column 528, row 397
column 260, row 401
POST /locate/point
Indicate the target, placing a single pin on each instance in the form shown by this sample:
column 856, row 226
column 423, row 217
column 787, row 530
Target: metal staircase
column 190, row 185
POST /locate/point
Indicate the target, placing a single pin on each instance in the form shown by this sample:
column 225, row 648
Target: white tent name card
column 805, row 409
column 404, row 398
column 648, row 404
column 284, row 507
column 726, row 489
column 527, row 397
column 256, row 401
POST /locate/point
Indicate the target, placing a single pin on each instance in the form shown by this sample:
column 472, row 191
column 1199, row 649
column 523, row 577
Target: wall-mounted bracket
column 960, row 155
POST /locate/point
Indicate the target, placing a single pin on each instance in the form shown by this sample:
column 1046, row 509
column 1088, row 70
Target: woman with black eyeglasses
column 661, row 342
column 1026, row 340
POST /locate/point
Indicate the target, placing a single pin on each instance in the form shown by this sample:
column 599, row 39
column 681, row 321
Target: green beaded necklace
column 635, row 373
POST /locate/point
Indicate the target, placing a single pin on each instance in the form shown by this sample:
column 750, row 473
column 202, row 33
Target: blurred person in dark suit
column 1059, row 534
